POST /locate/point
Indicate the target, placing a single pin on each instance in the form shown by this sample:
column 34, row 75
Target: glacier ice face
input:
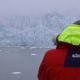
column 33, row 31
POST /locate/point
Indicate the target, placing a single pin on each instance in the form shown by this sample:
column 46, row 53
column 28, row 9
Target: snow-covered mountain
column 32, row 30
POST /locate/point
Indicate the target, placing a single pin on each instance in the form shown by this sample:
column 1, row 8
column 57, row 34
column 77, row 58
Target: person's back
column 63, row 63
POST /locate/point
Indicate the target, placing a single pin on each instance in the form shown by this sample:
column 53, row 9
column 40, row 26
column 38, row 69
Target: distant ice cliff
column 33, row 31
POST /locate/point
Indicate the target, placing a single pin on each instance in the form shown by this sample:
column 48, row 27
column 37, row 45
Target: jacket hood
column 70, row 35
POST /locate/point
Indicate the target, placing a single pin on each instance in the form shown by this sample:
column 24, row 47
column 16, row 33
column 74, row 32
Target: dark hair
column 77, row 22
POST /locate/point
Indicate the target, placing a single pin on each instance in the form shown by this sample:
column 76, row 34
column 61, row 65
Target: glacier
column 37, row 31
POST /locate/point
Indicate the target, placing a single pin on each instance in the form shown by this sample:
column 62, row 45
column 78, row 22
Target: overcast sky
column 24, row 7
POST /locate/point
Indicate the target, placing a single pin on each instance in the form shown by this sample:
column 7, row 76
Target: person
column 63, row 63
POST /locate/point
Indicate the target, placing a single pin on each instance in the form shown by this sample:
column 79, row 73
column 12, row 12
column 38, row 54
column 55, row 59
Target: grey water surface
column 20, row 63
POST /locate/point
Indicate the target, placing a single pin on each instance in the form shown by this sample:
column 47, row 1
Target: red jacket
column 56, row 65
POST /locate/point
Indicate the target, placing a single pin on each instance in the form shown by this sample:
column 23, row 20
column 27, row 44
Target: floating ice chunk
column 33, row 54
column 33, row 47
column 16, row 73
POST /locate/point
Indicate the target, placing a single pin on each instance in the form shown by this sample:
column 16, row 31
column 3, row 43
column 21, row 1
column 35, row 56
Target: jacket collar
column 62, row 45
